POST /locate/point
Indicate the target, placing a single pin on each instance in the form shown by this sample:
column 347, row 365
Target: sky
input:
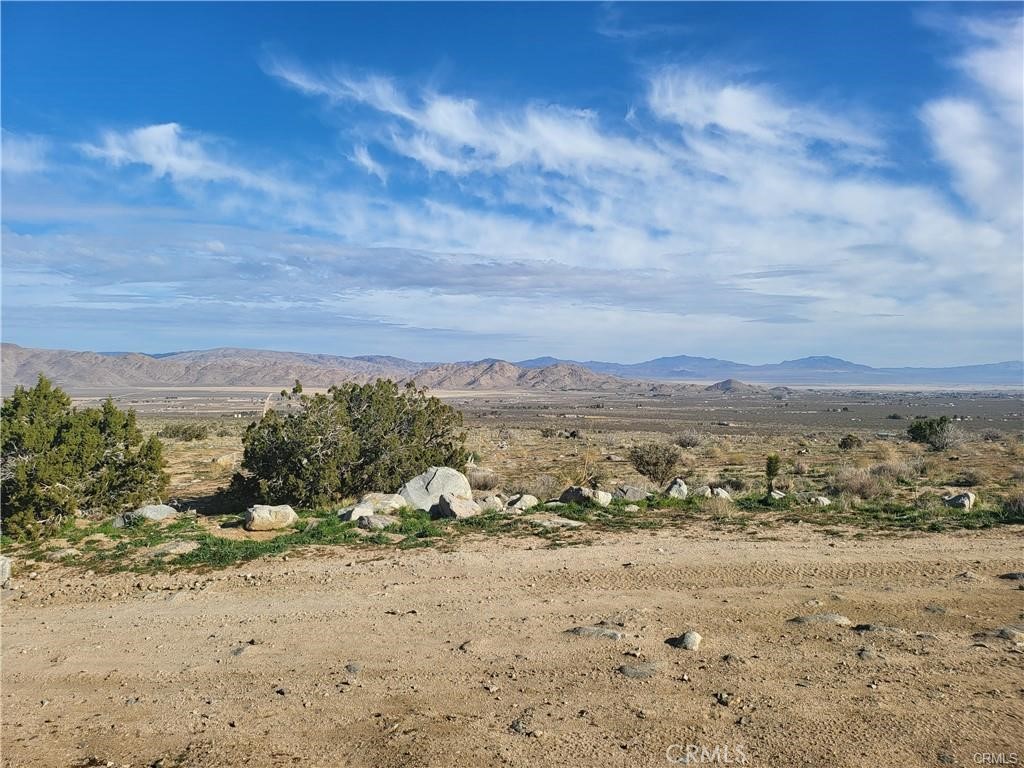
column 617, row 182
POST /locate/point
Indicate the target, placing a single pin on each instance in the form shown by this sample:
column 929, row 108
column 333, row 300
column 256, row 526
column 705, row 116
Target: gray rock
column 523, row 501
column 820, row 501
column 5, row 572
column 822, row 618
column 263, row 517
column 631, row 508
column 677, row 489
column 1013, row 576
column 578, row 494
column 963, row 500
column 492, row 503
column 704, row 492
column 377, row 522
column 1014, row 632
column 689, row 641
column 154, row 512
column 630, row 493
column 604, row 633
column 641, row 671
column 457, row 507
column 424, row 491
column 174, row 548
column 60, row 554
column 555, row 522
column 373, row 504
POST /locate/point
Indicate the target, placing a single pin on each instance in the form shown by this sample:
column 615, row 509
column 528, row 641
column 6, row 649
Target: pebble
column 689, row 641
column 822, row 618
column 601, row 632
column 639, row 671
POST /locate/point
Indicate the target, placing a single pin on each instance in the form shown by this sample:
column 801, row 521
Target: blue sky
column 456, row 181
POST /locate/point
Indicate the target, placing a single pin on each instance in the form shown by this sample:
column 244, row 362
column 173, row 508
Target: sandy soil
column 417, row 658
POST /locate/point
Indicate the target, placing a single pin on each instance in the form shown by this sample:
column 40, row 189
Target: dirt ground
column 461, row 658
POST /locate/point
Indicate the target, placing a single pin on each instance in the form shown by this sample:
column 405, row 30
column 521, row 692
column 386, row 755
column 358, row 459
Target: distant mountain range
column 262, row 368
column 805, row 370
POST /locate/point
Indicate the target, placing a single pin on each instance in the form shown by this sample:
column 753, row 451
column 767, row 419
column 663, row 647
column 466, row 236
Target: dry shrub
column 691, row 438
column 731, row 483
column 969, row 478
column 1013, row 503
column 784, row 484
column 858, row 482
column 735, row 458
column 849, row 442
column 543, row 486
column 801, row 468
column 656, row 461
column 991, row 435
column 885, row 452
column 896, row 471
column 482, row 479
column 717, row 507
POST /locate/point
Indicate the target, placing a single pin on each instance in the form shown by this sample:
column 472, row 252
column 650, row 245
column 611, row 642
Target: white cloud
column 978, row 134
column 361, row 156
column 168, row 152
column 23, row 154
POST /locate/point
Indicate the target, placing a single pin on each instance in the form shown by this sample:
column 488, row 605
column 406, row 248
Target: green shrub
column 58, row 461
column 353, row 439
column 939, row 434
column 772, row 466
column 186, row 432
column 655, row 461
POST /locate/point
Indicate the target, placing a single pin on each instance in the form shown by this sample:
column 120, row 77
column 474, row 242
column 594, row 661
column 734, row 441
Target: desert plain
column 880, row 630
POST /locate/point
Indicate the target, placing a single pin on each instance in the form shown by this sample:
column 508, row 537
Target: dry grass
column 482, row 479
column 859, row 482
column 895, row 471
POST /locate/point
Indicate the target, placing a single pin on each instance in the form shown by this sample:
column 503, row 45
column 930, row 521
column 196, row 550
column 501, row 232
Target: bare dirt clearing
column 460, row 658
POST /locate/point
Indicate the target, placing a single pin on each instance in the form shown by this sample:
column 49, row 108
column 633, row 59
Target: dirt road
column 428, row 658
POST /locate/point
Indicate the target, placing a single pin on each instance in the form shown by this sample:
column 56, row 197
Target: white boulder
column 373, row 504
column 963, row 500
column 263, row 517
column 424, row 491
column 677, row 489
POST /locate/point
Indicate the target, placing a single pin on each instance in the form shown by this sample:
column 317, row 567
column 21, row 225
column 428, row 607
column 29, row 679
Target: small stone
column 723, row 698
column 596, row 631
column 376, row 522
column 822, row 618
column 1014, row 632
column 689, row 640
column 639, row 671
